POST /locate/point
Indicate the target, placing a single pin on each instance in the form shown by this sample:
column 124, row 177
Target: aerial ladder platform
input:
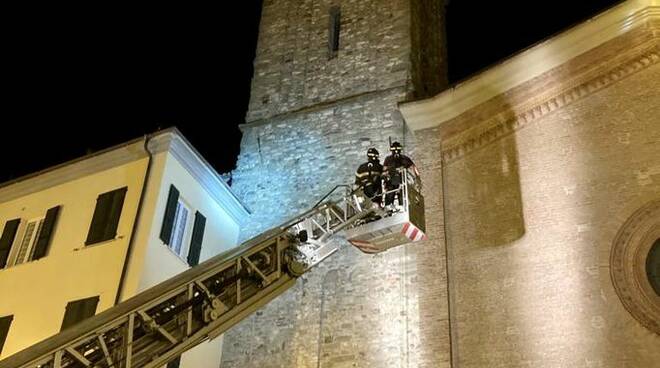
column 160, row 323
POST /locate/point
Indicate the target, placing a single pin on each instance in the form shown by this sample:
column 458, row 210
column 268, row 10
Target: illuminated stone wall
column 379, row 49
column 535, row 193
column 311, row 117
column 289, row 164
column 310, row 122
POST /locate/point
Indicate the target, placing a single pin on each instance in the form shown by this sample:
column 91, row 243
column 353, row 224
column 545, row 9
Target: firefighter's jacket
column 393, row 162
column 368, row 173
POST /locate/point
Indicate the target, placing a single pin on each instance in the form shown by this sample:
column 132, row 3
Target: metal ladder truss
column 170, row 318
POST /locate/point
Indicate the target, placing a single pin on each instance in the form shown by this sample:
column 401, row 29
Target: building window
column 35, row 240
column 653, row 266
column 5, row 322
column 79, row 310
column 176, row 229
column 106, row 216
column 635, row 265
column 334, row 31
column 28, row 243
column 180, row 229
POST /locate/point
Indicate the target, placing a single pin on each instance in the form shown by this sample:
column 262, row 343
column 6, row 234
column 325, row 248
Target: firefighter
column 368, row 176
column 392, row 164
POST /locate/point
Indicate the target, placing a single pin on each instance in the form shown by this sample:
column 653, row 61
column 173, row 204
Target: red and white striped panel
column 413, row 233
column 364, row 246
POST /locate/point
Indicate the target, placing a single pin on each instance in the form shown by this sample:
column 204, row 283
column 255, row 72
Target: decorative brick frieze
column 501, row 125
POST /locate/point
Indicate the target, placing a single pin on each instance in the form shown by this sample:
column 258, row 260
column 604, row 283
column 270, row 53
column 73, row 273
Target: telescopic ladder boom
column 201, row 303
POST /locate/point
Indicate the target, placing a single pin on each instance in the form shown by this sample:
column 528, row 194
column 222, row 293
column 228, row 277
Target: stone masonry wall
column 311, row 121
column 292, row 65
column 429, row 51
column 387, row 310
column 286, row 166
column 545, row 298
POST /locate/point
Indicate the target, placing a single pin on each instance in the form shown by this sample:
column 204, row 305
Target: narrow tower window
column 333, row 31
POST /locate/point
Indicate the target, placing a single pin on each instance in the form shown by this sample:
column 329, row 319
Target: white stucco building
column 80, row 237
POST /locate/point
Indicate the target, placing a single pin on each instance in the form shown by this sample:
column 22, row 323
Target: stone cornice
column 487, row 131
column 532, row 63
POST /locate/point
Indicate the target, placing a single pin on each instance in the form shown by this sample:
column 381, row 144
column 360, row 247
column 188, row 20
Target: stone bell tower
column 328, row 77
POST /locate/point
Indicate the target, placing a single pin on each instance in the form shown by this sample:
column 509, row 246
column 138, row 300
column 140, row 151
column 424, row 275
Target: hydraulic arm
column 164, row 321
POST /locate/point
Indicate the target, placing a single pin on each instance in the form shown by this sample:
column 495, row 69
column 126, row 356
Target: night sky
column 80, row 79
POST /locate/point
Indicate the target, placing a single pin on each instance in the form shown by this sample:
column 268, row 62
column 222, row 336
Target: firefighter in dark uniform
column 393, row 162
column 368, row 176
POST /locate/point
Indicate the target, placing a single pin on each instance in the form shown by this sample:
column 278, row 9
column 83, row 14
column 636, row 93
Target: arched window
column 635, row 265
column 653, row 266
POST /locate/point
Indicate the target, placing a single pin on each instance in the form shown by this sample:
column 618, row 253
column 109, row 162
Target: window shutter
column 174, row 363
column 170, row 212
column 43, row 242
column 5, row 322
column 106, row 216
column 196, row 240
column 7, row 239
column 79, row 310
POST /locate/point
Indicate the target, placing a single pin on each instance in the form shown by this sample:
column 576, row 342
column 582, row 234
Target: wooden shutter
column 45, row 235
column 7, row 239
column 5, row 322
column 106, row 216
column 170, row 212
column 174, row 363
column 79, row 310
column 196, row 240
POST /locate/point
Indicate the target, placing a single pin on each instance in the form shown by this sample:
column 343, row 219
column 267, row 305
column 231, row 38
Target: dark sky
column 482, row 33
column 80, row 79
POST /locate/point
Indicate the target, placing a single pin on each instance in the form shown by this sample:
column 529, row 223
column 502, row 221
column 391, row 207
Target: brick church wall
column 532, row 208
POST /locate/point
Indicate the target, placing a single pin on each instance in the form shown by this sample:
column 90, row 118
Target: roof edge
column 171, row 140
column 529, row 64
column 177, row 144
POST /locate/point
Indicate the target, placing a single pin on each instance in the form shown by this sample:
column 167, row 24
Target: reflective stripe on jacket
column 368, row 173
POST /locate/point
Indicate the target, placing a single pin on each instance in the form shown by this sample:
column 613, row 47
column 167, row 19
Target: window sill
column 22, row 264
column 175, row 254
column 103, row 242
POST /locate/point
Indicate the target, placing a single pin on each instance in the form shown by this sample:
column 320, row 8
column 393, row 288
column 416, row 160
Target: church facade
column 541, row 177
